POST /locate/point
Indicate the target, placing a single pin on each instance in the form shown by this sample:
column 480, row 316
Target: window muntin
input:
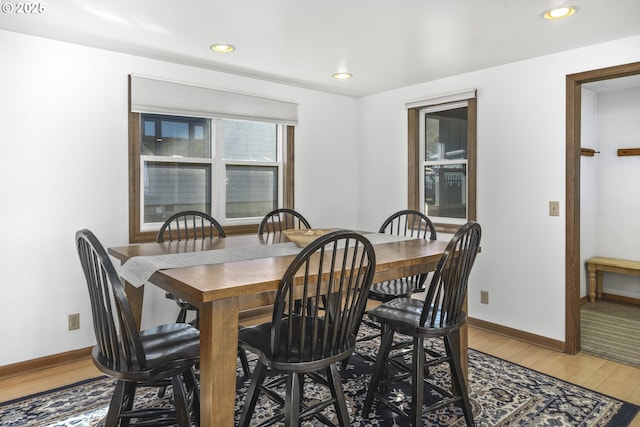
column 444, row 154
column 230, row 169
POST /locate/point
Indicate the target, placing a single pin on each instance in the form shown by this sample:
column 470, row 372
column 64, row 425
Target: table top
column 205, row 283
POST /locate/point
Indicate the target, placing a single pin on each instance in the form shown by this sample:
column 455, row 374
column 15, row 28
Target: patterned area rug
column 611, row 331
column 502, row 394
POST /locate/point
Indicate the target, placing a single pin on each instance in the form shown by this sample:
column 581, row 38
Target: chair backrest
column 118, row 339
column 282, row 219
column 190, row 225
column 445, row 297
column 410, row 223
column 321, row 298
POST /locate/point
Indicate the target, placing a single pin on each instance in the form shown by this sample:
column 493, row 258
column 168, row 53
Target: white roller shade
column 150, row 95
column 442, row 99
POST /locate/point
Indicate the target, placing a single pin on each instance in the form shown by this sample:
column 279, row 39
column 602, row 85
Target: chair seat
column 404, row 287
column 168, row 349
column 257, row 339
column 403, row 315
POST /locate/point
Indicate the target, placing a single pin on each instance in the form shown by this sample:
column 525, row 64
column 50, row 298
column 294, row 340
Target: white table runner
column 138, row 270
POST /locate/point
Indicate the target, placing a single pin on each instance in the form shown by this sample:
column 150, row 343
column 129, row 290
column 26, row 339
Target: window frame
column 138, row 235
column 219, row 199
column 415, row 167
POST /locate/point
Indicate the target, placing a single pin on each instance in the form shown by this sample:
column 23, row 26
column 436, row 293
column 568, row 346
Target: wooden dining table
column 222, row 290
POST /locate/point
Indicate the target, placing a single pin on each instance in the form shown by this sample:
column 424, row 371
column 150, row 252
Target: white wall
column 521, row 167
column 617, row 228
column 63, row 130
column 63, row 121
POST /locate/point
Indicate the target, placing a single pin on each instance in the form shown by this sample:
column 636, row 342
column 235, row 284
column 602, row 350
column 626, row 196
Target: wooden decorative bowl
column 303, row 237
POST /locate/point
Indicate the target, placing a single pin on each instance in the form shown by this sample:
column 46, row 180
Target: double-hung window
column 251, row 167
column 230, row 169
column 444, row 154
column 442, row 158
column 235, row 167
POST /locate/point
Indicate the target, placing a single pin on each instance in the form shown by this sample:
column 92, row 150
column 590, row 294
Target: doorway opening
column 573, row 152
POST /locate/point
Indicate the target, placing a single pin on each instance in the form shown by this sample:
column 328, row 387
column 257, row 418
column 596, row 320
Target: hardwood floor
column 611, row 378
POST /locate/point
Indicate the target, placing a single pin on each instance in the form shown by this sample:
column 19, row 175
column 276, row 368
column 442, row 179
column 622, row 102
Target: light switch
column 554, row 208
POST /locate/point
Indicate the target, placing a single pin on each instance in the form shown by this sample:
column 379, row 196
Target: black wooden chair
column 410, row 223
column 193, row 225
column 303, row 340
column 439, row 316
column 282, row 219
column 189, row 225
column 152, row 357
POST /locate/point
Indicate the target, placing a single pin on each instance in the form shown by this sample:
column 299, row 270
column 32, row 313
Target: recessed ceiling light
column 559, row 13
column 342, row 76
column 222, row 47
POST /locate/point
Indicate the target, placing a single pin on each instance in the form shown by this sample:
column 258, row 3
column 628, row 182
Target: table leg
column 135, row 295
column 218, row 361
column 592, row 283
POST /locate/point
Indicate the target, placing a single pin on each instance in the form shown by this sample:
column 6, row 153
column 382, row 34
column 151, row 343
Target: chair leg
column 378, row 369
column 191, row 382
column 180, row 400
column 335, row 385
column 196, row 321
column 242, row 354
column 121, row 401
column 417, row 381
column 251, row 398
column 182, row 316
column 457, row 377
column 292, row 400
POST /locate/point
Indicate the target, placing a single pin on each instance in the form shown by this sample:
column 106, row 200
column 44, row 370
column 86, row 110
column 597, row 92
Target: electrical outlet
column 484, row 297
column 554, row 208
column 74, row 321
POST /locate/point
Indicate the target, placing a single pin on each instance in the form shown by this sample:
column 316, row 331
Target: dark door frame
column 572, row 250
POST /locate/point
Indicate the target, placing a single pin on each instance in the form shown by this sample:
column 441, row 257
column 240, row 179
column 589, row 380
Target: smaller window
column 443, row 131
column 442, row 158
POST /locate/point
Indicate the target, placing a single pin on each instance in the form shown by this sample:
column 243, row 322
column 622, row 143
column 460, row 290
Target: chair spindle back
column 445, row 296
column 116, row 331
column 322, row 297
column 190, row 225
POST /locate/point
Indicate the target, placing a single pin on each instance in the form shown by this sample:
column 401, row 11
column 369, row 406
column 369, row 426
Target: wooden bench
column 597, row 265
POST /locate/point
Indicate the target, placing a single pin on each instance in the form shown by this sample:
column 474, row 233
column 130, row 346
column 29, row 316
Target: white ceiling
column 386, row 44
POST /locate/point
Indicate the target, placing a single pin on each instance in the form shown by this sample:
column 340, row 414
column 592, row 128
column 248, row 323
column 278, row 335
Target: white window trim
column 425, row 163
column 220, row 167
column 218, row 174
column 155, row 226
